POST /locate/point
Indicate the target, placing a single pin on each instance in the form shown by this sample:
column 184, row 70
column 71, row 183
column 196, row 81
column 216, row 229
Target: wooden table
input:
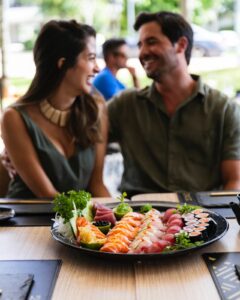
column 81, row 277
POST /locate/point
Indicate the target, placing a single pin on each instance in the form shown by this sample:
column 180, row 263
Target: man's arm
column 135, row 79
column 6, row 162
column 230, row 170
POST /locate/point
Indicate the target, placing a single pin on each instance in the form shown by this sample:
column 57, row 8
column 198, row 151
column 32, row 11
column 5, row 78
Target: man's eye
column 92, row 57
column 151, row 42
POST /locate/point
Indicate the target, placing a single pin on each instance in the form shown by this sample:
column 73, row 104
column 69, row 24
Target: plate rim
column 11, row 213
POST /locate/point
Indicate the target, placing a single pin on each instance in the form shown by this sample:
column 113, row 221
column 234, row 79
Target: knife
column 18, row 201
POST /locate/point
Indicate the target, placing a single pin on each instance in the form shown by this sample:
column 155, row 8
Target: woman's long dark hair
column 65, row 39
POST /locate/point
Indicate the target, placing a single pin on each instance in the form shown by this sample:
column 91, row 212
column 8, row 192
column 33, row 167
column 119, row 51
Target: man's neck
column 112, row 69
column 174, row 90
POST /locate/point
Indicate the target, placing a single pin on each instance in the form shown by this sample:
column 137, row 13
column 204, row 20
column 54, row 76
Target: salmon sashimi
column 120, row 237
column 82, row 222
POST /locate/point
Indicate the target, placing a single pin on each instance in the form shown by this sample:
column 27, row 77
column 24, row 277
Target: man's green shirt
column 178, row 153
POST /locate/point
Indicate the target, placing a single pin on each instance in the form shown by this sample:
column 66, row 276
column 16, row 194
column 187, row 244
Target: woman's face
column 79, row 78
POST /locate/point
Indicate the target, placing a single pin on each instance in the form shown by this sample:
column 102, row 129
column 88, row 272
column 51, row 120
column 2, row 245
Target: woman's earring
column 61, row 62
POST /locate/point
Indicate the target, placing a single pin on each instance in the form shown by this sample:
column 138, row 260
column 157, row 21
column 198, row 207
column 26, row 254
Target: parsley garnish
column 65, row 203
column 183, row 242
column 186, row 208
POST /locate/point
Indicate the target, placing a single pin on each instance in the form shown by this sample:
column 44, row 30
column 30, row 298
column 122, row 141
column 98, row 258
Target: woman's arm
column 23, row 155
column 96, row 185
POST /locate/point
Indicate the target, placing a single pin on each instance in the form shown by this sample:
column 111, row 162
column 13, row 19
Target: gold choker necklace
column 57, row 117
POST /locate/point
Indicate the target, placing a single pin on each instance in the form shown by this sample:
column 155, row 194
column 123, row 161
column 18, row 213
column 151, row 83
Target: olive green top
column 65, row 173
column 178, row 153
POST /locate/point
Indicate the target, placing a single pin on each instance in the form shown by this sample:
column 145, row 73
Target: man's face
column 156, row 53
column 121, row 56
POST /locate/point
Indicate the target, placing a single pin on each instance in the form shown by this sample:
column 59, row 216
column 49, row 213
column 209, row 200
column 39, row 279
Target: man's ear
column 181, row 44
column 61, row 62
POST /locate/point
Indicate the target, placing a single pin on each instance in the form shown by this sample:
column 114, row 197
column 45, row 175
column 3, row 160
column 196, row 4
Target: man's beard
column 164, row 65
column 156, row 75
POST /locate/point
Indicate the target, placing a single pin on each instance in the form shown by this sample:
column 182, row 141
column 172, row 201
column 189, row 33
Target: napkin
column 15, row 286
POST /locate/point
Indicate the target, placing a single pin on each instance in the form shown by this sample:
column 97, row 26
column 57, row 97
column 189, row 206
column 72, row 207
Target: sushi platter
column 156, row 233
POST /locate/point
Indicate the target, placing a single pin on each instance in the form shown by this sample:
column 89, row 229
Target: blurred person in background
column 55, row 135
column 115, row 54
column 178, row 134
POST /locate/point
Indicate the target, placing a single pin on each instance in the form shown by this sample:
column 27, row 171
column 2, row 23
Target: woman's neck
column 61, row 100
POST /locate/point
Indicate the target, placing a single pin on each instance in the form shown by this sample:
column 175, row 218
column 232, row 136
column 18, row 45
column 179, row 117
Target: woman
column 55, row 135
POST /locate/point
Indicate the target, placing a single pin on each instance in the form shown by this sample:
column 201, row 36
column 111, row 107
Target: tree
column 157, row 5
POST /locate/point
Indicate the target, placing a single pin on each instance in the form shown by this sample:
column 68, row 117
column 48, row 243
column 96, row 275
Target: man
column 115, row 56
column 179, row 134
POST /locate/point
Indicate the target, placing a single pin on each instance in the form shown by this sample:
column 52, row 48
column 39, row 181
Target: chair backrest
column 4, row 180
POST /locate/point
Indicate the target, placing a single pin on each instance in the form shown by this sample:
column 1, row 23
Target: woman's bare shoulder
column 10, row 114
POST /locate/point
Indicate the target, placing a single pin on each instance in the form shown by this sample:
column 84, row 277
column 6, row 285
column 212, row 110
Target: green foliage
column 65, row 203
column 28, row 45
column 123, row 207
column 186, row 208
column 157, row 5
column 122, row 197
column 123, row 19
column 207, row 11
column 183, row 242
column 145, row 208
column 60, row 8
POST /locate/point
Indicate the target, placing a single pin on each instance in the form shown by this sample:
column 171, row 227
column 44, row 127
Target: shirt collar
column 151, row 93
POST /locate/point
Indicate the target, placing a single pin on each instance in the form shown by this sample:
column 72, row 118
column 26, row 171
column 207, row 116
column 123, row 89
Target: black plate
column 6, row 213
column 218, row 233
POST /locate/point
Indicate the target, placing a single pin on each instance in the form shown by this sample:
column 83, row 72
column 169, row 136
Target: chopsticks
column 18, row 201
column 222, row 194
column 237, row 269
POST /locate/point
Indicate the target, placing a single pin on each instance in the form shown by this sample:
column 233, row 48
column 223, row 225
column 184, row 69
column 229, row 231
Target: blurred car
column 132, row 46
column 206, row 43
column 230, row 39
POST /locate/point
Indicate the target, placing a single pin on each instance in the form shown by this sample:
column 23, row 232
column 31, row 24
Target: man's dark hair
column 111, row 46
column 172, row 25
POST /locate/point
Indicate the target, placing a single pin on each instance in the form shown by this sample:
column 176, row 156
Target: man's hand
column 230, row 170
column 7, row 164
column 132, row 71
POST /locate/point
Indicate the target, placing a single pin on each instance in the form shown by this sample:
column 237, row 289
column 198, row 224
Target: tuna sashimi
column 104, row 213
